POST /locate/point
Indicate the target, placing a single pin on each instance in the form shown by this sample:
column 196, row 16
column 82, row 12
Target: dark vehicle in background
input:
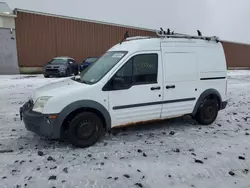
column 61, row 66
column 87, row 62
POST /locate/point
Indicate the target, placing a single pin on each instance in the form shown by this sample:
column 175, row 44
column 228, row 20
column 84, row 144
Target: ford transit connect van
column 138, row 80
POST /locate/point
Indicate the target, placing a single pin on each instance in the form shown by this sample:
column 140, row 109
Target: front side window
column 71, row 61
column 126, row 73
column 140, row 69
column 92, row 74
column 145, row 68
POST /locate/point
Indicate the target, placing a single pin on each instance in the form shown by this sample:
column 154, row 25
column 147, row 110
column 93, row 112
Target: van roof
column 154, row 43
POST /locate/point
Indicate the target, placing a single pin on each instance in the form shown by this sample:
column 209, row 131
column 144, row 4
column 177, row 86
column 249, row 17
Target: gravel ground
column 172, row 153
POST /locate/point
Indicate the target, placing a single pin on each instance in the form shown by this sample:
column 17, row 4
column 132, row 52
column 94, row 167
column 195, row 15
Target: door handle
column 170, row 87
column 155, row 88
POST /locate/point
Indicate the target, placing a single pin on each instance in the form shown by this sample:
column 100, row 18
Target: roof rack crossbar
column 175, row 35
column 138, row 37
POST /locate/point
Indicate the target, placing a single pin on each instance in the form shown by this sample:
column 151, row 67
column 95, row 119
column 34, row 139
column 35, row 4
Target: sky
column 228, row 19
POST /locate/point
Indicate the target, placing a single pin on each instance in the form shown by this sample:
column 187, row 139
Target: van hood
column 57, row 88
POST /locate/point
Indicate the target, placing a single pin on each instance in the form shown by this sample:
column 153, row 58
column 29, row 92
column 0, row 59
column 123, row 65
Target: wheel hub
column 85, row 130
column 209, row 112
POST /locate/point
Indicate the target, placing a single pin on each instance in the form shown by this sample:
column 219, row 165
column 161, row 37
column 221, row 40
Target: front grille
column 53, row 71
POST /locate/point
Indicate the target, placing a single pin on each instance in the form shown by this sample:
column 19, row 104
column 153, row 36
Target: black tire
column 46, row 76
column 76, row 72
column 67, row 73
column 208, row 111
column 85, row 129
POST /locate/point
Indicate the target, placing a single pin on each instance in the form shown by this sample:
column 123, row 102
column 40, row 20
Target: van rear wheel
column 208, row 111
column 85, row 129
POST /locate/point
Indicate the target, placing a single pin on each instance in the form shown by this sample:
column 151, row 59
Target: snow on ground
column 157, row 155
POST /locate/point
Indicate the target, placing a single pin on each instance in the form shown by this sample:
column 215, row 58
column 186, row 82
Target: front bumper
column 54, row 73
column 223, row 105
column 38, row 123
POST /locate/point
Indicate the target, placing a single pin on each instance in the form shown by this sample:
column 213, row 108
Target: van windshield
column 96, row 71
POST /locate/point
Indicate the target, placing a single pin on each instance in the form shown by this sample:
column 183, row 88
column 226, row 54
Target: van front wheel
column 85, row 129
column 208, row 111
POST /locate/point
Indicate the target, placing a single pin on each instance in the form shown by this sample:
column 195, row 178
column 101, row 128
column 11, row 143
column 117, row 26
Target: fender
column 203, row 96
column 80, row 104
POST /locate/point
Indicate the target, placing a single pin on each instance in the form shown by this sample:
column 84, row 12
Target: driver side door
column 135, row 90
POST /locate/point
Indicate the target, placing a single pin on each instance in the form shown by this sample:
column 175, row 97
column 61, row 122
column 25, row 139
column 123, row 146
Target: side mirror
column 77, row 77
column 118, row 83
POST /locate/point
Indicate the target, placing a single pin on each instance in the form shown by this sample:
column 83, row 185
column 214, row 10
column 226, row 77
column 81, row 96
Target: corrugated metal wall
column 8, row 52
column 237, row 55
column 41, row 37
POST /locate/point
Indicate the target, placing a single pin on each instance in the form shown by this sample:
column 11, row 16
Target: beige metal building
column 8, row 49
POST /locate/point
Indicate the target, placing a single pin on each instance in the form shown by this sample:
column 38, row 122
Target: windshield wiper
column 78, row 79
column 84, row 81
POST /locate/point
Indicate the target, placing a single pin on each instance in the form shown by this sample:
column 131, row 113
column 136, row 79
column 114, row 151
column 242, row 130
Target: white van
column 138, row 80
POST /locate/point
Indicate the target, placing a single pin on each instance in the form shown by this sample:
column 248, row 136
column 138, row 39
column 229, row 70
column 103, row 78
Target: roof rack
column 163, row 34
column 138, row 37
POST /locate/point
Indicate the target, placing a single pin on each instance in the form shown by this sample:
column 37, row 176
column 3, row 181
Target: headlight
column 62, row 69
column 40, row 103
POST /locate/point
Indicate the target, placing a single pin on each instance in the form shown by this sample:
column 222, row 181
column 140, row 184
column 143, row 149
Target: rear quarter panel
column 212, row 69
